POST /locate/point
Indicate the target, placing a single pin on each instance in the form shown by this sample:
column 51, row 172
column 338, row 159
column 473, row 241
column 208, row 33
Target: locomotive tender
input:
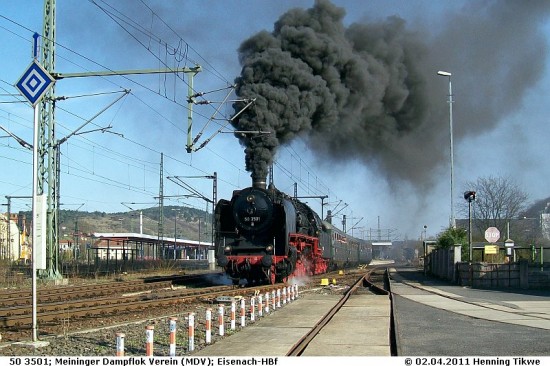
column 265, row 236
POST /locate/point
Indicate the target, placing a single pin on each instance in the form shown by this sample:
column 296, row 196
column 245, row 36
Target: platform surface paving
column 360, row 328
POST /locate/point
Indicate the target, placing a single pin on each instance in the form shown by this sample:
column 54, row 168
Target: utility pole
column 214, row 201
column 161, row 204
column 322, row 198
column 195, row 193
column 47, row 157
column 470, row 197
column 47, row 167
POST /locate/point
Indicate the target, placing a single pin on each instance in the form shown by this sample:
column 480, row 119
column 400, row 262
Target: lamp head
column 444, row 73
column 470, row 196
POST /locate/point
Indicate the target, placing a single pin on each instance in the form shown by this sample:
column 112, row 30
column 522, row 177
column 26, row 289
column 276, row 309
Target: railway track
column 86, row 330
column 113, row 302
column 106, row 288
column 59, row 311
column 373, row 281
column 70, row 293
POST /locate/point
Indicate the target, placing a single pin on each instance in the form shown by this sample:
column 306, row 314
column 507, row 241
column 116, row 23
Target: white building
column 545, row 224
column 10, row 248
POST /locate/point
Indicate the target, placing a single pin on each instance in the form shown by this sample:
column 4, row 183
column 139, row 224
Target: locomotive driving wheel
column 271, row 275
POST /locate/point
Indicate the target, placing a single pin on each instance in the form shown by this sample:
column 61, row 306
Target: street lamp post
column 423, row 233
column 424, row 247
column 448, row 74
column 470, row 196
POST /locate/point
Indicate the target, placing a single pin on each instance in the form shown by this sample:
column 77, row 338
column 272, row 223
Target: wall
column 506, row 275
column 442, row 262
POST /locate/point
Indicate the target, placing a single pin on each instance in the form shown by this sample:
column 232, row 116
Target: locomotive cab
column 264, row 235
column 251, row 231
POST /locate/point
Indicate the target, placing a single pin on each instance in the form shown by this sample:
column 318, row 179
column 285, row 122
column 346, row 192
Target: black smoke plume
column 370, row 92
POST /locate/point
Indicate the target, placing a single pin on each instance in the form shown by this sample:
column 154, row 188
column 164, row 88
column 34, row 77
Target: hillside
column 186, row 224
column 536, row 208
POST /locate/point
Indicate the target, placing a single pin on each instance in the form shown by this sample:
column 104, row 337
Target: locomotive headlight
column 269, row 249
column 251, row 198
column 227, row 248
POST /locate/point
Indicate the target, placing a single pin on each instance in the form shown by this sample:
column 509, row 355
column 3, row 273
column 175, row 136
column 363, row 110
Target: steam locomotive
column 265, row 236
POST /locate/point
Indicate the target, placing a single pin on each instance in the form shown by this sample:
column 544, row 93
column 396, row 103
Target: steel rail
column 67, row 293
column 302, row 344
column 142, row 302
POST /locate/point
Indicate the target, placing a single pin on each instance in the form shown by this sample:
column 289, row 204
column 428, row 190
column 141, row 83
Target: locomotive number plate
column 252, row 219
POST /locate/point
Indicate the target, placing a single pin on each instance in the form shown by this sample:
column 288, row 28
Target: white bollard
column 252, row 309
column 208, row 335
column 232, row 315
column 149, row 335
column 120, row 344
column 173, row 336
column 220, row 319
column 243, row 312
column 289, row 294
column 191, row 338
column 273, row 302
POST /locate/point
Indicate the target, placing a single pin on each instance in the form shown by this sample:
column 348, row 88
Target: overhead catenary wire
column 120, row 19
column 131, row 80
column 138, row 27
column 88, row 59
column 104, row 177
column 301, row 180
column 205, row 61
column 103, row 67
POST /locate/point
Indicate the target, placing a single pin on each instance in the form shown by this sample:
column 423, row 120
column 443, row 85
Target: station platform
column 493, row 305
column 433, row 317
column 360, row 328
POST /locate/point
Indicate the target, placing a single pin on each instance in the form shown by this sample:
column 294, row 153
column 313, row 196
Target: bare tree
column 498, row 200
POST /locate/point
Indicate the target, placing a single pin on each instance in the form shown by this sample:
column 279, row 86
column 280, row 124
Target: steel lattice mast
column 47, row 168
column 161, row 205
column 48, row 165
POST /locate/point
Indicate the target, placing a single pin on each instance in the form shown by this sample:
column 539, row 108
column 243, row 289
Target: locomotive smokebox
column 258, row 182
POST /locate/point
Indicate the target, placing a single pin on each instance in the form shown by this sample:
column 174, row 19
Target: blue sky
column 102, row 170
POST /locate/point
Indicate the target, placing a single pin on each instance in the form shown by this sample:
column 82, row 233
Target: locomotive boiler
column 263, row 235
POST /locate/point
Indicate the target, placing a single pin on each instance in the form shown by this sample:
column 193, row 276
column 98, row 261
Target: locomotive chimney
column 258, row 182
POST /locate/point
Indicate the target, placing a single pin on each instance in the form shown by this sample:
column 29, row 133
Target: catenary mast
column 47, row 156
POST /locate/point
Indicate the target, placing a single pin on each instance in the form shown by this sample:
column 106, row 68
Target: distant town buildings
column 13, row 237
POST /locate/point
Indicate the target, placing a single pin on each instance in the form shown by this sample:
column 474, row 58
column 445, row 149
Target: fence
column 178, row 345
column 530, row 253
column 520, row 274
column 531, row 270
